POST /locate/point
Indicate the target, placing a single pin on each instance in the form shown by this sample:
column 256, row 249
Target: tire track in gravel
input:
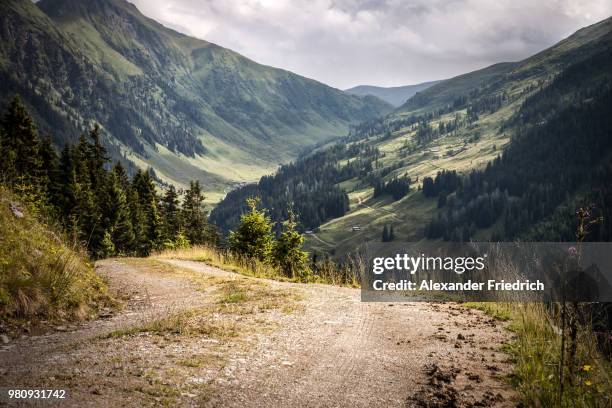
column 341, row 352
column 336, row 351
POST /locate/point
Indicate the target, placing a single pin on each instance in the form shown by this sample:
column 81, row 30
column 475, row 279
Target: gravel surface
column 327, row 350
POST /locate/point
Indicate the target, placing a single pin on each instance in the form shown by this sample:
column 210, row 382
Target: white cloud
column 381, row 42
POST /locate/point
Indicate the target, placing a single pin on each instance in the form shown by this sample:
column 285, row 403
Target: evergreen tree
column 391, row 233
column 67, row 200
column 197, row 229
column 148, row 214
column 171, row 215
column 385, row 234
column 288, row 254
column 116, row 216
column 8, row 158
column 20, row 145
column 51, row 181
column 97, row 158
column 253, row 237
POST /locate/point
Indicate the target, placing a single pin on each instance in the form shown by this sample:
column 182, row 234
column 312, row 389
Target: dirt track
column 329, row 350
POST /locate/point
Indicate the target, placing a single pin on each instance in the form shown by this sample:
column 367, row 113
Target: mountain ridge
column 579, row 45
column 188, row 108
column 395, row 95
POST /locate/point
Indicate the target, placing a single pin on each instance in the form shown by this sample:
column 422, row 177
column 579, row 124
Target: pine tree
column 197, row 229
column 87, row 218
column 51, row 181
column 20, row 145
column 97, row 159
column 89, row 193
column 116, row 215
column 147, row 212
column 67, row 201
column 288, row 254
column 385, row 234
column 8, row 158
column 171, row 215
column 391, row 233
column 253, row 237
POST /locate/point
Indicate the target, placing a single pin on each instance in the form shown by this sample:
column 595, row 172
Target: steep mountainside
column 396, row 95
column 508, row 77
column 186, row 107
column 431, row 171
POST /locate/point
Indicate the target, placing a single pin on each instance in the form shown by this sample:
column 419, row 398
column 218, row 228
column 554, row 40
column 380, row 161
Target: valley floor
column 193, row 335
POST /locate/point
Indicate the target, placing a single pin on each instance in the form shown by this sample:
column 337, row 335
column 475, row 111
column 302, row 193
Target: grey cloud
column 379, row 42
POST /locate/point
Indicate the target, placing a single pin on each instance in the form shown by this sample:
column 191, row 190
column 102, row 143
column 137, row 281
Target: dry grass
column 224, row 260
column 536, row 356
column 326, row 272
column 41, row 276
column 230, row 298
column 195, row 322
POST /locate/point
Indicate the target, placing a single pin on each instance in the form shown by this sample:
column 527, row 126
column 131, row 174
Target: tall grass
column 40, row 275
column 536, row 354
column 324, row 272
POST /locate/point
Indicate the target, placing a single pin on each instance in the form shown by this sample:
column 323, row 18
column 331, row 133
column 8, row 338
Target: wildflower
column 586, row 367
column 587, row 383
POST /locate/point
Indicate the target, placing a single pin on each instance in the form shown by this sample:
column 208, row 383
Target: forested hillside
column 485, row 155
column 560, row 155
column 188, row 108
column 95, row 203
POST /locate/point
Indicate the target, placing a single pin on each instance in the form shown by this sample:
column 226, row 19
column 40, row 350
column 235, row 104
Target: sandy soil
column 269, row 344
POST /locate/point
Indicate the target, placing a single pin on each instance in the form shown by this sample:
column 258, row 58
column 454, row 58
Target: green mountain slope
column 457, row 126
column 395, row 95
column 186, row 107
column 511, row 76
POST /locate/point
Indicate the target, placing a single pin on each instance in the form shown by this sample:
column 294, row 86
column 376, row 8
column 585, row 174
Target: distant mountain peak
column 395, row 95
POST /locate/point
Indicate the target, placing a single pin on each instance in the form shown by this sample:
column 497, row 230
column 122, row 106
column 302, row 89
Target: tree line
column 93, row 200
column 309, row 184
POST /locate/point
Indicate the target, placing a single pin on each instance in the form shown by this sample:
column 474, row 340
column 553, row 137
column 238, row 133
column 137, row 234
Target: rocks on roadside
column 4, row 339
column 17, row 213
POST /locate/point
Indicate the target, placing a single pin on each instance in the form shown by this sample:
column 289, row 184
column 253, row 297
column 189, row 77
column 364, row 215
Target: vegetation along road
column 189, row 334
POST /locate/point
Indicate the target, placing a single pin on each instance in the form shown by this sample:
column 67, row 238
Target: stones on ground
column 17, row 213
column 440, row 392
column 4, row 339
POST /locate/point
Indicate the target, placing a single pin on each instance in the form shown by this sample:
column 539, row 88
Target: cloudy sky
column 379, row 42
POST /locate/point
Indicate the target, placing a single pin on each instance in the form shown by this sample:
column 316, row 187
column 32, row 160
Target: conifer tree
column 97, row 158
column 171, row 215
column 8, row 157
column 51, row 182
column 253, row 237
column 67, row 200
column 116, row 214
column 385, row 234
column 20, row 145
column 197, row 229
column 288, row 254
column 147, row 213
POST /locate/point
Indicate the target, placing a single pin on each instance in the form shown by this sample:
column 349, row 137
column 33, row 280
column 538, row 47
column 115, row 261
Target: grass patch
column 496, row 310
column 41, row 276
column 536, row 352
column 327, row 272
column 194, row 322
